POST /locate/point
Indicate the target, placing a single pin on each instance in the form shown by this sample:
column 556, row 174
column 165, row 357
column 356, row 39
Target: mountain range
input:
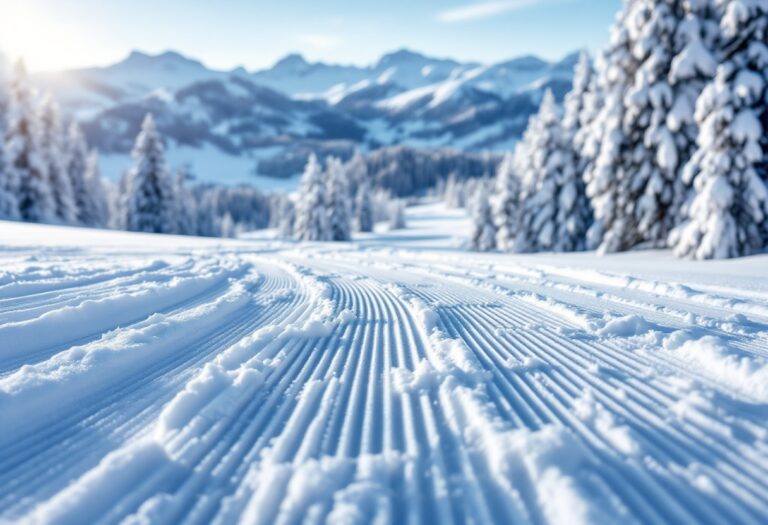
column 232, row 125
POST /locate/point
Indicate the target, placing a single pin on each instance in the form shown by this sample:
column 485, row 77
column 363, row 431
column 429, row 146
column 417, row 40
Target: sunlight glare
column 31, row 31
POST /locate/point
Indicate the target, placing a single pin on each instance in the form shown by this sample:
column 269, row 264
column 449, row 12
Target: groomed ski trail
column 262, row 382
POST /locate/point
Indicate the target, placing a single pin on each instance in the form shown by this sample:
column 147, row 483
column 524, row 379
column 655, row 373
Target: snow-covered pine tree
column 9, row 204
column 454, row 192
column 357, row 172
column 483, row 237
column 207, row 214
column 53, row 152
column 286, row 218
column 338, row 201
column 186, row 206
column 364, row 209
column 505, row 203
column 311, row 213
column 380, row 202
column 729, row 170
column 655, row 65
column 554, row 211
column 606, row 176
column 579, row 108
column 95, row 210
column 657, row 122
column 587, row 141
column 151, row 203
column 24, row 160
column 692, row 68
column 227, row 226
column 76, row 165
column 396, row 215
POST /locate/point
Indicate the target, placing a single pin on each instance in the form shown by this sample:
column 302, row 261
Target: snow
column 394, row 378
column 208, row 164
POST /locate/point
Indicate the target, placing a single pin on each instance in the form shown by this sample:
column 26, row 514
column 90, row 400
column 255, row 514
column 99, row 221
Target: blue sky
column 55, row 34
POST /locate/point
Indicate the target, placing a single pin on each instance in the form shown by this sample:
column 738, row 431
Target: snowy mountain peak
column 293, row 62
column 401, row 56
column 525, row 63
column 170, row 60
column 569, row 61
column 279, row 113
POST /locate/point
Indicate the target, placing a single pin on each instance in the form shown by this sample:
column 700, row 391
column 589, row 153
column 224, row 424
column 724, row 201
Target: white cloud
column 481, row 10
column 321, row 42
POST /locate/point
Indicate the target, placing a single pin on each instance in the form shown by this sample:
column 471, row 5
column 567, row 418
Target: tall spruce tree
column 54, row 155
column 95, row 208
column 338, row 201
column 76, row 166
column 186, row 205
column 24, row 158
column 729, row 171
column 483, row 236
column 653, row 69
column 286, row 218
column 692, row 68
column 9, row 204
column 580, row 107
column 396, row 215
column 151, row 203
column 364, row 209
column 554, row 211
column 670, row 42
column 505, row 203
column 357, row 172
column 311, row 212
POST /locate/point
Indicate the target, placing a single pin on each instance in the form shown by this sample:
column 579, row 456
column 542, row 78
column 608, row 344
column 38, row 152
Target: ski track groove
column 329, row 398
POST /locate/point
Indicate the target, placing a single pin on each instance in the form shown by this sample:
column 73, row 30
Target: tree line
column 661, row 144
column 334, row 201
column 49, row 175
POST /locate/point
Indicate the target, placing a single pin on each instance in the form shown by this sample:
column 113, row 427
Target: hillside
column 238, row 118
column 394, row 379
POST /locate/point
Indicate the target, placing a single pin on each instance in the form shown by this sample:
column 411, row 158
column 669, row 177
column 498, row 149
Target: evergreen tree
column 554, row 212
column 95, row 205
column 207, row 215
column 287, row 216
column 505, row 203
column 692, row 68
column 483, row 237
column 648, row 78
column 659, row 114
column 53, row 151
column 579, row 109
column 227, row 227
column 357, row 172
column 311, row 214
column 9, row 204
column 24, row 159
column 396, row 215
column 338, row 202
column 76, row 166
column 151, row 203
column 186, row 207
column 729, row 170
column 364, row 209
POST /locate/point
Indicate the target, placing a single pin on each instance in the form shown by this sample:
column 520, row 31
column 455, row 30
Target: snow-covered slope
column 405, row 69
column 86, row 92
column 392, row 380
column 296, row 107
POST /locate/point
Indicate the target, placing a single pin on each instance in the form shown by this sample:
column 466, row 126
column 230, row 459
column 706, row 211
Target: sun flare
column 32, row 31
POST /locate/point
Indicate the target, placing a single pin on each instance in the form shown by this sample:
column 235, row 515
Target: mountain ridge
column 276, row 115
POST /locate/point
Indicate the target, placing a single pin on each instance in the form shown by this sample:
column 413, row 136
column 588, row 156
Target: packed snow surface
column 394, row 379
